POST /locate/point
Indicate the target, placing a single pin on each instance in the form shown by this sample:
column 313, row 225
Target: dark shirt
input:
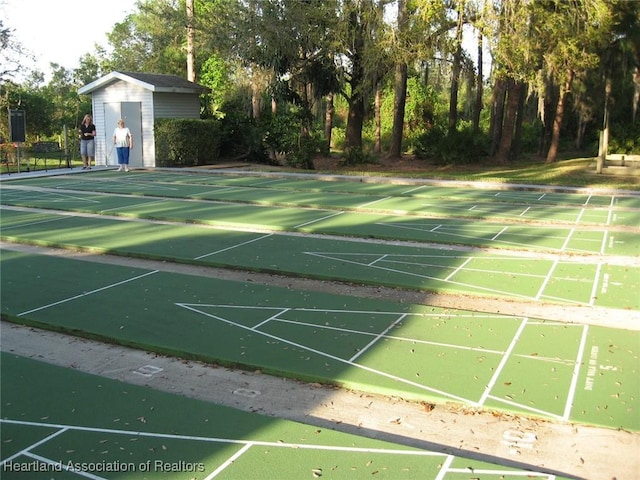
column 86, row 130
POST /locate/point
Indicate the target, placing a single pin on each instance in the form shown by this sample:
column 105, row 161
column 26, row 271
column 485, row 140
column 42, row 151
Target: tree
column 514, row 66
column 151, row 40
column 12, row 54
column 190, row 33
column 572, row 33
column 358, row 58
column 400, row 83
column 456, row 67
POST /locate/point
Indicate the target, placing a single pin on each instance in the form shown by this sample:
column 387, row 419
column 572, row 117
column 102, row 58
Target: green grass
column 573, row 172
column 27, row 165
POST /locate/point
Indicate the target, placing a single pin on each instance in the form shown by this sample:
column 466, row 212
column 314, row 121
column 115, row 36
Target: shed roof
column 155, row 82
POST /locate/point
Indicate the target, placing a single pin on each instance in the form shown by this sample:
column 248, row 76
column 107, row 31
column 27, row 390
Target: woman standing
column 87, row 143
column 123, row 142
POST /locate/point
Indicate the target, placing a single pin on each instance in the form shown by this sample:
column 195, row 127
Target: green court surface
column 437, row 202
column 582, row 280
column 63, row 424
column 556, row 238
column 532, row 246
column 564, row 372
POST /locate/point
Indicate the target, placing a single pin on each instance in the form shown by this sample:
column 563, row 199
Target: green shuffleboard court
column 159, row 238
column 412, row 200
column 552, row 370
column 577, row 280
column 63, row 424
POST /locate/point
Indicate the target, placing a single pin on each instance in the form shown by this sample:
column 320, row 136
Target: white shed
column 138, row 99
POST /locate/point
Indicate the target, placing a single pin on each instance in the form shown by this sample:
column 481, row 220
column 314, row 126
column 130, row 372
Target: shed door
column 130, row 112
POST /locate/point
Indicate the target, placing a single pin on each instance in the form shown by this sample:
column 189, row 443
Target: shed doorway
column 130, row 112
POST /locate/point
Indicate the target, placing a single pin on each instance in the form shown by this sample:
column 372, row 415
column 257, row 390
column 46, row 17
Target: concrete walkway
column 586, row 452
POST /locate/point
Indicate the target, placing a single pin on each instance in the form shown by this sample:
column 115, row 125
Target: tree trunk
column 516, row 146
column 399, row 104
column 513, row 97
column 603, row 146
column 582, row 126
column 497, row 114
column 328, row 121
column 355, row 121
column 377, row 148
column 355, row 117
column 399, row 88
column 191, row 72
column 455, row 71
column 479, row 87
column 557, row 121
column 636, row 93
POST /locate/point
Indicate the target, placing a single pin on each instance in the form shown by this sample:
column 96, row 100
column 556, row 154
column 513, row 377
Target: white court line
column 445, row 231
column 460, row 267
column 524, row 212
column 575, row 374
column 378, row 337
column 609, row 216
column 64, row 466
column 541, row 197
column 325, row 354
column 272, row 317
column 266, row 182
column 411, row 190
column 603, row 247
column 504, row 229
column 503, row 362
column 586, row 202
column 547, row 279
column 233, row 246
column 91, row 292
column 379, row 259
column 580, row 215
column 318, row 220
column 565, row 300
column 374, row 202
column 429, row 277
column 526, row 407
column 134, row 205
column 445, row 467
column 395, row 337
column 37, row 194
column 35, row 223
column 61, row 429
column 172, row 436
column 229, row 461
column 594, row 289
column 215, row 190
column 481, row 270
column 501, row 473
column 566, row 242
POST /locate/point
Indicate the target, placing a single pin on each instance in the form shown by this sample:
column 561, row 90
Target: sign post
column 17, row 131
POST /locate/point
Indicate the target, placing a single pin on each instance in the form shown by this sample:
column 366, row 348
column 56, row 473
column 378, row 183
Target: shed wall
column 152, row 106
column 118, row 92
column 176, row 105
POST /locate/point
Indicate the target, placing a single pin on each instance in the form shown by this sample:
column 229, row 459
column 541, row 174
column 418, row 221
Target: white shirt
column 121, row 136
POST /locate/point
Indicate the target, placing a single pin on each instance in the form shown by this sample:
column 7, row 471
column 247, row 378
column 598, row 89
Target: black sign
column 17, row 126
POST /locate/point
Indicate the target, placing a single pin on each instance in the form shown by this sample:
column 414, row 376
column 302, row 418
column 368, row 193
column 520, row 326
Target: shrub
column 459, row 147
column 625, row 138
column 186, row 142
